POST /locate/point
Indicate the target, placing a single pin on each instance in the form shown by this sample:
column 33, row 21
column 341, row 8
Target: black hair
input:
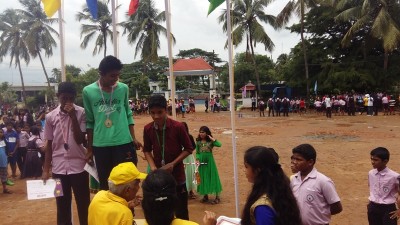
column 35, row 130
column 157, row 101
column 270, row 180
column 108, row 64
column 67, row 88
column 9, row 124
column 307, row 151
column 206, row 130
column 159, row 197
column 381, row 153
column 186, row 126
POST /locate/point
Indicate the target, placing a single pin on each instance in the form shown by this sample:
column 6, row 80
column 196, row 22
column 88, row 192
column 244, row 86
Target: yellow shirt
column 109, row 209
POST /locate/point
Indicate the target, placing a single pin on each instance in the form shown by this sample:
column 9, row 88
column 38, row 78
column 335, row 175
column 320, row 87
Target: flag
column 214, row 4
column 92, row 6
column 244, row 92
column 133, row 6
column 315, row 87
column 51, row 6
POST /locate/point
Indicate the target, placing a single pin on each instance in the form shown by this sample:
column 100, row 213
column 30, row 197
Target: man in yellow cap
column 111, row 207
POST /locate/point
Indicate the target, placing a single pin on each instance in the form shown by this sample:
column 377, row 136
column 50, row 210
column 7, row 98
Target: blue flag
column 92, row 6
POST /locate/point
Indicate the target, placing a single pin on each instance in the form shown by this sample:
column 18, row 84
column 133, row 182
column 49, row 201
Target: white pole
column 62, row 43
column 232, row 104
column 114, row 25
column 171, row 66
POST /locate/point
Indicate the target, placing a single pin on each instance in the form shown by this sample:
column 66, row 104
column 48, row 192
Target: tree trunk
column 304, row 49
column 22, row 81
column 386, row 61
column 44, row 70
column 255, row 65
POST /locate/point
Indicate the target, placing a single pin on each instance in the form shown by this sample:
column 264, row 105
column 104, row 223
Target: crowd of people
column 64, row 139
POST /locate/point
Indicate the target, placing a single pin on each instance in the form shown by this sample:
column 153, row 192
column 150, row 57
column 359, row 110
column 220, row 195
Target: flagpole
column 114, row 26
column 232, row 105
column 170, row 58
column 62, row 44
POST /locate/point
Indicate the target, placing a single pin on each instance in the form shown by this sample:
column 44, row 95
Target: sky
column 190, row 25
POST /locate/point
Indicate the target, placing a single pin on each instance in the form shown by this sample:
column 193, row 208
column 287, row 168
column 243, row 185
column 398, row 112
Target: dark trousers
column 181, row 210
column 80, row 186
column 378, row 214
column 271, row 109
column 328, row 112
column 21, row 154
column 108, row 157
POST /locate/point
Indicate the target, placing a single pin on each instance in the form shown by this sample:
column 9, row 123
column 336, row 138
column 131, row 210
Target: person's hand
column 137, row 144
column 209, row 218
column 211, row 138
column 168, row 167
column 45, row 176
column 89, row 156
column 395, row 214
column 69, row 108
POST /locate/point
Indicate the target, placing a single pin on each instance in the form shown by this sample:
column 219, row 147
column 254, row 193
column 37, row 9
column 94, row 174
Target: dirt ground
column 343, row 144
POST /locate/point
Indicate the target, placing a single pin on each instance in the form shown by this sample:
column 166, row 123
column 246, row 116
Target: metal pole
column 114, row 25
column 62, row 40
column 170, row 58
column 232, row 106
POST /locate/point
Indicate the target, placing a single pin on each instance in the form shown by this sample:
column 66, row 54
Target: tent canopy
column 191, row 67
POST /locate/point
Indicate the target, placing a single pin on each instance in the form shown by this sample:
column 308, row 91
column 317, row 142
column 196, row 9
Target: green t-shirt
column 120, row 115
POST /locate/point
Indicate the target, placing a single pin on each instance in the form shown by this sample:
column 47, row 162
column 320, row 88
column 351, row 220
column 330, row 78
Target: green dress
column 209, row 178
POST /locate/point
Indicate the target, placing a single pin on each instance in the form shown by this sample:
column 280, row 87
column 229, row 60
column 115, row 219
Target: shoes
column 9, row 183
column 204, row 199
column 6, row 191
column 217, row 200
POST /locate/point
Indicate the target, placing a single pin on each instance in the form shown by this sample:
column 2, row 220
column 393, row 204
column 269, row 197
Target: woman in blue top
column 271, row 201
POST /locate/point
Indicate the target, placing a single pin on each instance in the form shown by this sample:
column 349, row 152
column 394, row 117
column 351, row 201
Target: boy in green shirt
column 109, row 120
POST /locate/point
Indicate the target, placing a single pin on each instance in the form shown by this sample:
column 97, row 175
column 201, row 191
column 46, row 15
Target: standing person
column 261, row 107
column 253, row 103
column 370, row 105
column 209, row 178
column 115, row 206
column 385, row 103
column 21, row 151
column 166, row 144
column 34, row 152
column 271, row 107
column 64, row 131
column 206, row 104
column 328, row 105
column 183, row 107
column 383, row 186
column 351, row 105
column 190, row 167
column 285, row 106
column 3, row 163
column 315, row 193
column 271, row 201
column 12, row 141
column 278, row 107
column 109, row 121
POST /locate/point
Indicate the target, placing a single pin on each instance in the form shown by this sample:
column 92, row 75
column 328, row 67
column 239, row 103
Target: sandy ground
column 343, row 144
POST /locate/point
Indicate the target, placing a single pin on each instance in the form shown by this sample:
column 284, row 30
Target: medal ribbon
column 163, row 140
column 102, row 96
column 64, row 134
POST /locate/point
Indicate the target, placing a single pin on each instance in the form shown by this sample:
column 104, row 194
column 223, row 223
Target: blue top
column 11, row 140
column 3, row 155
column 264, row 215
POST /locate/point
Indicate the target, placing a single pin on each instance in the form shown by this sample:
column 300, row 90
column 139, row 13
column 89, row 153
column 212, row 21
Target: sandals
column 6, row 191
column 204, row 199
column 217, row 200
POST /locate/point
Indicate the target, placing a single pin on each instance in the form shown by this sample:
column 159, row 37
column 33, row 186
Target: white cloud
column 190, row 25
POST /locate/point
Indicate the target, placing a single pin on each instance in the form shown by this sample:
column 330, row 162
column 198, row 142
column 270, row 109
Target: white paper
column 223, row 220
column 36, row 189
column 92, row 171
column 140, row 221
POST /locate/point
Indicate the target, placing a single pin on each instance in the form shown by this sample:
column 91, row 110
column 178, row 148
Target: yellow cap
column 125, row 173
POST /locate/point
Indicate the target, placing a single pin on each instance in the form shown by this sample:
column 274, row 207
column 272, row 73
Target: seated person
column 114, row 206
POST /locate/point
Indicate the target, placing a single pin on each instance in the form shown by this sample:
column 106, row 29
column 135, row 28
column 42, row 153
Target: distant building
column 32, row 89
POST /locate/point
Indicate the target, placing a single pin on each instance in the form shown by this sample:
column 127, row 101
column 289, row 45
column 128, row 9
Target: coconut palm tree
column 378, row 18
column 39, row 32
column 299, row 8
column 247, row 16
column 12, row 42
column 144, row 28
column 101, row 26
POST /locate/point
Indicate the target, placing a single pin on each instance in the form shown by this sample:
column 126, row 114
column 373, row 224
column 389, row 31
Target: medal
column 162, row 162
column 108, row 123
column 66, row 147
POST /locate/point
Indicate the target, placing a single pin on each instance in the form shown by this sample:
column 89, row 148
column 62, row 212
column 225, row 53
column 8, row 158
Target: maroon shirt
column 176, row 139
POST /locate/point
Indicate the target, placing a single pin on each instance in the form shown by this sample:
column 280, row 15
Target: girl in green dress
column 209, row 178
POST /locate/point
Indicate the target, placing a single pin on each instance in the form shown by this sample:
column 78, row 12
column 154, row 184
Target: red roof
column 249, row 87
column 191, row 64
